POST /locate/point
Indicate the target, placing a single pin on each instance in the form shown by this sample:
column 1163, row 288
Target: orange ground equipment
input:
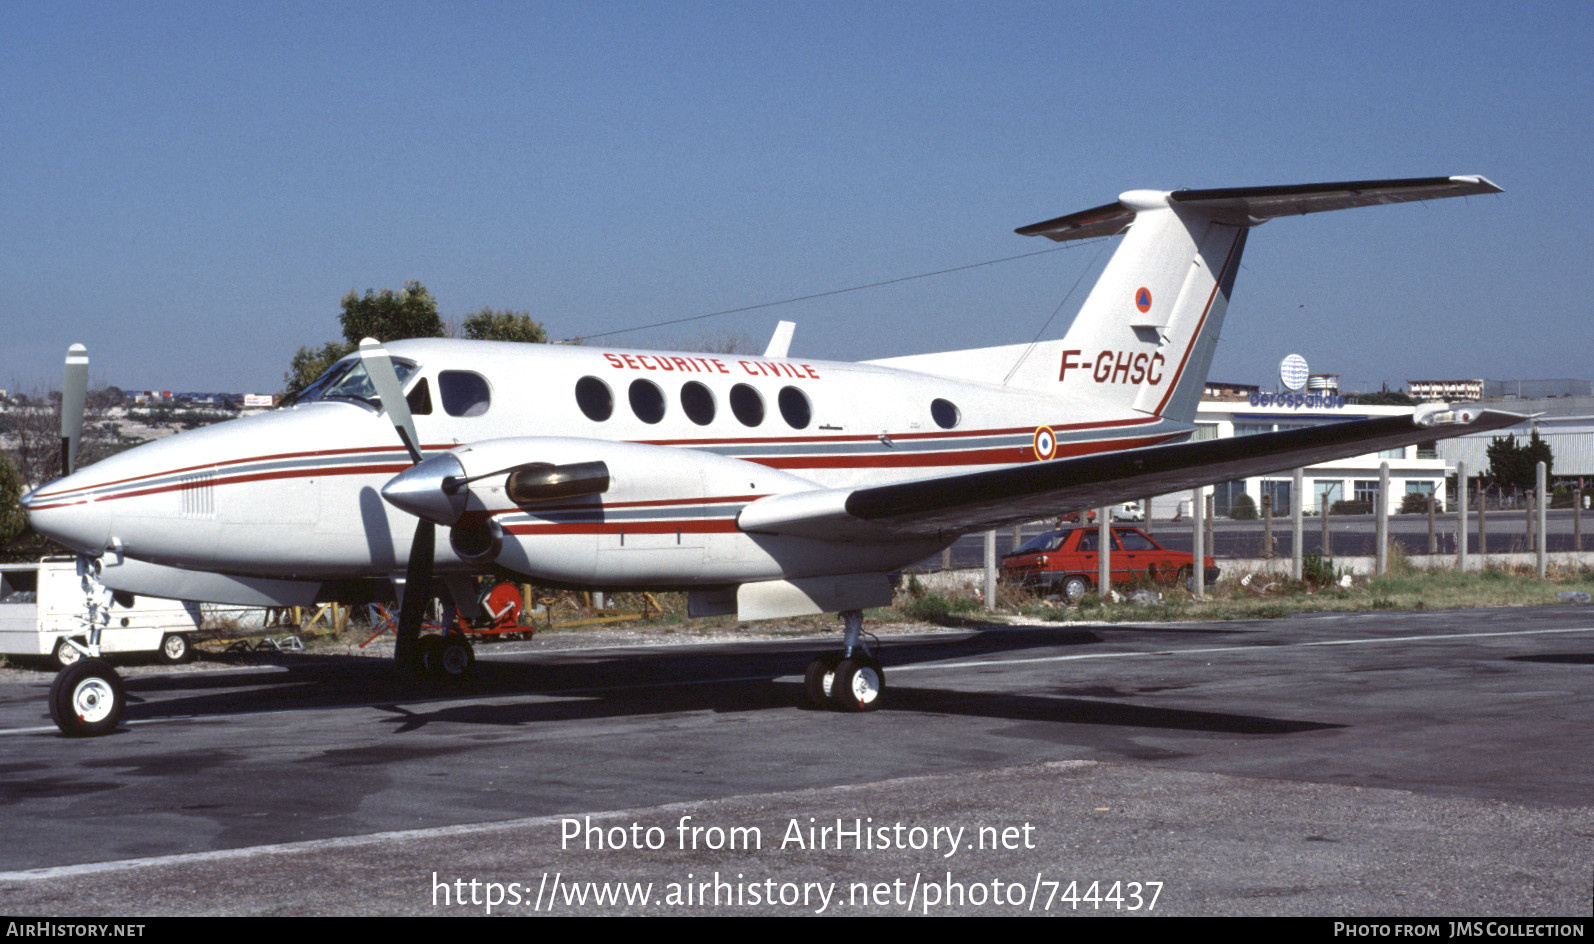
column 501, row 608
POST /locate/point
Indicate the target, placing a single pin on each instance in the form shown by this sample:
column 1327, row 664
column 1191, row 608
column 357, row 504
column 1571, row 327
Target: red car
column 1066, row 560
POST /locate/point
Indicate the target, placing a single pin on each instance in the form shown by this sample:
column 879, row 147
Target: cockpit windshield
column 348, row 380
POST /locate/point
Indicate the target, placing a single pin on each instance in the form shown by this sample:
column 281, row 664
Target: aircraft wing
column 947, row 506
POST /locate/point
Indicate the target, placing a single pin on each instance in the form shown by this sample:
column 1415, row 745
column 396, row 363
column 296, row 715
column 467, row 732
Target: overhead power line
column 838, row 291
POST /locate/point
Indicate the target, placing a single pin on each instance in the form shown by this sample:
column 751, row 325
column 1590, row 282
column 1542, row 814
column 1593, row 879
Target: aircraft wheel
column 87, row 698
column 175, row 649
column 819, row 678
column 456, row 658
column 448, row 657
column 65, row 654
column 859, row 685
column 1075, row 588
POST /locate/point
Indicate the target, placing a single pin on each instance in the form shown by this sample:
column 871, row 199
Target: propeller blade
column 417, row 593
column 74, row 395
column 379, row 367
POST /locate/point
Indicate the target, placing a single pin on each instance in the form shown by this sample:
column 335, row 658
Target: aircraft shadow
column 1558, row 658
column 573, row 685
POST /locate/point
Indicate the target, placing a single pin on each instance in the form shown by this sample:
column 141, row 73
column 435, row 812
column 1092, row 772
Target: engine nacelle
column 585, row 510
column 591, row 512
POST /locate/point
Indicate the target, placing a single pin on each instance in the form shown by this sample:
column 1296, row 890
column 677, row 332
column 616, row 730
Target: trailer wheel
column 87, row 698
column 64, row 654
column 175, row 649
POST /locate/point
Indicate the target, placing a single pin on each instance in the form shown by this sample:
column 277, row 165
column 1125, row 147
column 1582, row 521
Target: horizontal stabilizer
column 946, row 506
column 1248, row 206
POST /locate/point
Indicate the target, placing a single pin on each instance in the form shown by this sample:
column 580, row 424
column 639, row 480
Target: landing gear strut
column 851, row 680
column 87, row 697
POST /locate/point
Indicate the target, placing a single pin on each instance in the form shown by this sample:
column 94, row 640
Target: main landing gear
column 446, row 656
column 851, row 680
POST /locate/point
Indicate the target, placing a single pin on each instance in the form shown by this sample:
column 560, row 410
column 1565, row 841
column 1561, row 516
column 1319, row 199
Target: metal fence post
column 1433, row 535
column 1104, row 554
column 990, row 570
column 1543, row 493
column 1197, row 535
column 1577, row 520
column 1325, row 550
column 1528, row 541
column 1211, row 517
column 1381, row 554
column 1461, row 517
column 1483, row 525
column 1297, row 526
column 1267, row 526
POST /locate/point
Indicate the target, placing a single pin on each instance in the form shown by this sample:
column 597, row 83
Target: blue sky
column 189, row 189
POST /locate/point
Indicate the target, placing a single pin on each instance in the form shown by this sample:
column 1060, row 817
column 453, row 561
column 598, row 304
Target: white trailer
column 43, row 612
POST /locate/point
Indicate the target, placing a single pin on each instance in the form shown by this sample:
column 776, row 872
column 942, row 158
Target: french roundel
column 1045, row 443
column 1143, row 299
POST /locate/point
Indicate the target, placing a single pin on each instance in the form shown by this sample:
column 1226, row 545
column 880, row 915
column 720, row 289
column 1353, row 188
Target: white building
column 1446, row 390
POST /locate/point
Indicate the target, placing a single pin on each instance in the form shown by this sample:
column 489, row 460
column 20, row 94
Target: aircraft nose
column 423, row 490
column 65, row 511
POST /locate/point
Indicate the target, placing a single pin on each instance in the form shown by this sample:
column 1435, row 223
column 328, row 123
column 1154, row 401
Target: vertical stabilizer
column 1145, row 337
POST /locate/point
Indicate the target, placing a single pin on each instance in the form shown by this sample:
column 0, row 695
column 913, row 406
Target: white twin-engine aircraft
column 764, row 487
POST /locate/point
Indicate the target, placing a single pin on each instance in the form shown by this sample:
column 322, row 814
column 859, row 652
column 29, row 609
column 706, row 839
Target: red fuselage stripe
column 1007, row 455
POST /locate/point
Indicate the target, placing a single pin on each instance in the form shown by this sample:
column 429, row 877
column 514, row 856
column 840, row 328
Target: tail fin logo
column 1143, row 299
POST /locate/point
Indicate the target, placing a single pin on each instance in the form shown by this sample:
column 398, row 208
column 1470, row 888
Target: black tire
column 1186, row 579
column 427, row 652
column 448, row 658
column 64, row 654
column 87, row 698
column 1075, row 588
column 818, row 679
column 456, row 658
column 175, row 649
column 860, row 685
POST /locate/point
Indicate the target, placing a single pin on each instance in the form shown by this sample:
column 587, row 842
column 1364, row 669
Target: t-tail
column 1144, row 338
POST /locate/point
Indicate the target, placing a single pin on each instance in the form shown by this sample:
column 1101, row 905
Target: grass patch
column 1403, row 588
column 935, row 608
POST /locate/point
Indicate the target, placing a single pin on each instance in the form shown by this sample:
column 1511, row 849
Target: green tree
column 386, row 316
column 107, row 397
column 310, row 363
column 391, row 316
column 1382, row 397
column 1514, row 465
column 1536, row 451
column 490, row 325
column 12, row 518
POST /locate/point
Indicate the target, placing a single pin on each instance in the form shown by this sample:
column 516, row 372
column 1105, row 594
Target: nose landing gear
column 87, row 698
